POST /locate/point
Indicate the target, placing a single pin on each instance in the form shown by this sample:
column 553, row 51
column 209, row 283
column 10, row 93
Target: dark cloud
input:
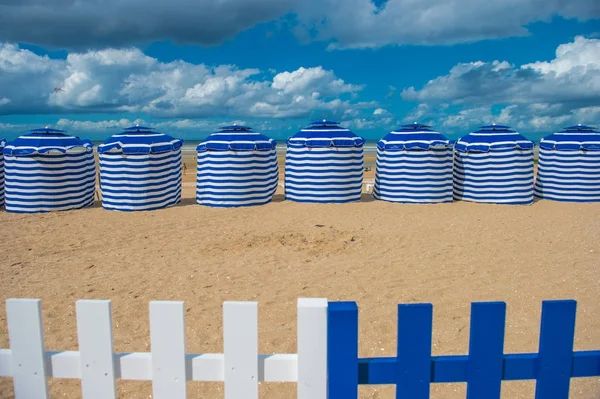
column 94, row 24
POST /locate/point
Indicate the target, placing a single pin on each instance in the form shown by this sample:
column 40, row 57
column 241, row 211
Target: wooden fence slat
column 342, row 349
column 555, row 355
column 326, row 364
column 26, row 337
column 486, row 350
column 413, row 367
column 312, row 348
column 96, row 356
column 240, row 347
column 167, row 341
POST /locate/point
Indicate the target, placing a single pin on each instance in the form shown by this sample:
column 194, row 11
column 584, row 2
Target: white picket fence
column 167, row 365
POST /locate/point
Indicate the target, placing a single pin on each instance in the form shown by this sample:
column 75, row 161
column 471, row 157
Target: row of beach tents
column 141, row 169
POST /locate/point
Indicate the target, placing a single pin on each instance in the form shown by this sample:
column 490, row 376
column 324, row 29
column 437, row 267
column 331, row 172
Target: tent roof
column 325, row 134
column 236, row 138
column 140, row 140
column 573, row 138
column 492, row 137
column 44, row 140
column 415, row 136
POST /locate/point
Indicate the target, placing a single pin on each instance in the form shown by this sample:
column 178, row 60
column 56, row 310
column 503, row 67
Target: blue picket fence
column 485, row 367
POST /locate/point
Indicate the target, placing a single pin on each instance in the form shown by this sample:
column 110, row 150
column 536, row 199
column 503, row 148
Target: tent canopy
column 140, row 140
column 413, row 137
column 44, row 140
column 573, row 138
column 325, row 134
column 236, row 138
column 493, row 137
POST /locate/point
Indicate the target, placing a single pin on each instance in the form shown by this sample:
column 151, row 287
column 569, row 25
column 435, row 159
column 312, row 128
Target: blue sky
column 275, row 65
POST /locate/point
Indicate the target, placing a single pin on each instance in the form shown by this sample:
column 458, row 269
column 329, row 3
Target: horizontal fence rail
column 326, row 364
column 483, row 369
column 167, row 365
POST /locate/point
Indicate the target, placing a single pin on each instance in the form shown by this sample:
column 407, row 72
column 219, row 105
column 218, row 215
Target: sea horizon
column 190, row 145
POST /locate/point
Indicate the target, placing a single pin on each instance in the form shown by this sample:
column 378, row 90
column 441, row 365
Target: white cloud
column 381, row 119
column 188, row 129
column 572, row 77
column 99, row 24
column 362, row 24
column 129, row 81
column 536, row 96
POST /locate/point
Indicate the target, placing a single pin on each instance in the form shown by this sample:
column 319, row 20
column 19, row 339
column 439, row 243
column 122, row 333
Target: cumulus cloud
column 84, row 24
column 381, row 119
column 187, row 129
column 536, row 96
column 364, row 24
column 572, row 77
column 127, row 80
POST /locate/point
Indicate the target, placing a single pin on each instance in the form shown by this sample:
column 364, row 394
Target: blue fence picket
column 483, row 369
column 486, row 350
column 413, row 363
column 555, row 354
column 342, row 350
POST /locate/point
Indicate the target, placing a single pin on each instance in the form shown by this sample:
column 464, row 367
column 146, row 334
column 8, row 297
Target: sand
column 375, row 253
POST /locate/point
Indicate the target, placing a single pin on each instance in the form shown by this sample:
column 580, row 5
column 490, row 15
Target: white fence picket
column 312, row 348
column 167, row 340
column 26, row 336
column 96, row 355
column 167, row 365
column 240, row 347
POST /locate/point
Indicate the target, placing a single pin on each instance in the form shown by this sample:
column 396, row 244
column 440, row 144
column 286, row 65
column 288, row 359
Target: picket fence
column 326, row 364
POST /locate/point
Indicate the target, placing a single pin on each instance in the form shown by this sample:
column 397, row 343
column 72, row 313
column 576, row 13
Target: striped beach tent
column 47, row 170
column 324, row 164
column 569, row 165
column 494, row 165
column 2, row 144
column 414, row 165
column 140, row 170
column 236, row 167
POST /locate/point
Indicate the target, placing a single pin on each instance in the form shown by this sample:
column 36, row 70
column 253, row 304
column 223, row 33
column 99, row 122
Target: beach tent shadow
column 367, row 198
column 363, row 198
column 187, row 202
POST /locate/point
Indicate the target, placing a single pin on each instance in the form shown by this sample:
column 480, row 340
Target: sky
column 186, row 67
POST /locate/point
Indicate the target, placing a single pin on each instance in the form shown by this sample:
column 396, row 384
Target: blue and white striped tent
column 2, row 144
column 494, row 165
column 324, row 164
column 140, row 170
column 48, row 170
column 569, row 165
column 236, row 167
column 414, row 165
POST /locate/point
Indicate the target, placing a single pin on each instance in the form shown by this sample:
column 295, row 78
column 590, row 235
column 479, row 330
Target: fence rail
column 326, row 364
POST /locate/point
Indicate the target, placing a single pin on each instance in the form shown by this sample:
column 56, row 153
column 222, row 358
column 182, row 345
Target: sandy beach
column 375, row 253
